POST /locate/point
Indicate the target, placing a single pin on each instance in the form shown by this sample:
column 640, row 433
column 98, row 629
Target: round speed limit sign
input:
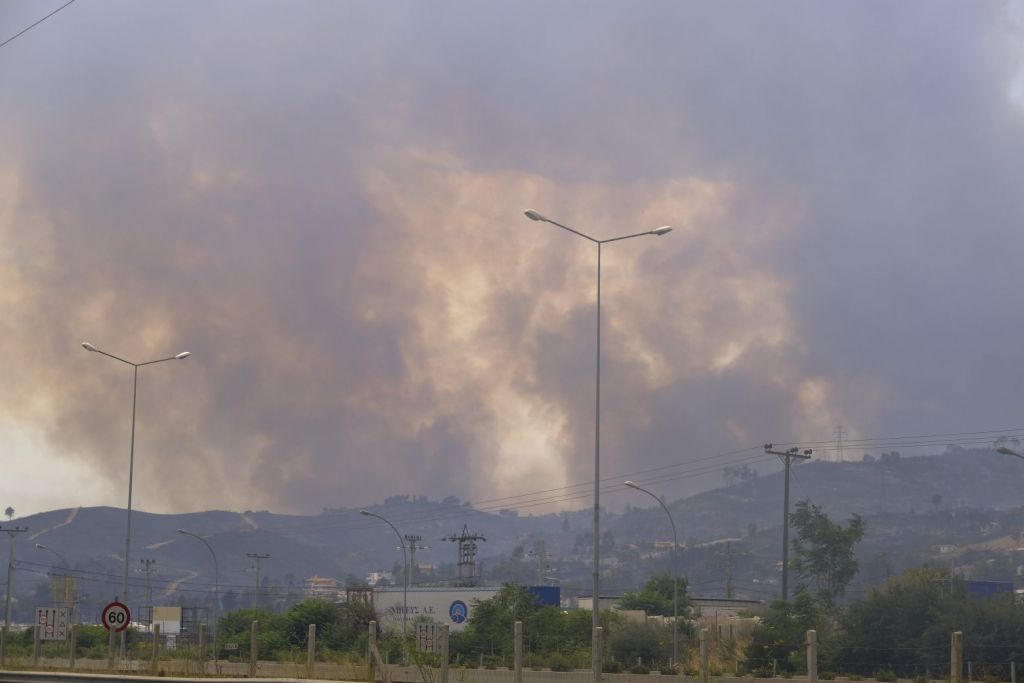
column 116, row 616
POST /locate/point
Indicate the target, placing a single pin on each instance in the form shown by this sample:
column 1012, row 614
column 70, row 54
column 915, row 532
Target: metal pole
column 596, row 620
column 216, row 587
column 675, row 570
column 405, row 562
column 128, row 525
column 131, row 461
column 596, row 616
column 785, row 537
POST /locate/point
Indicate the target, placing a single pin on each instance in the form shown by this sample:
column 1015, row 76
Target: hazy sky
column 322, row 201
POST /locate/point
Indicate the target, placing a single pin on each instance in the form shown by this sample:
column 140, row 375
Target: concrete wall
column 399, row 674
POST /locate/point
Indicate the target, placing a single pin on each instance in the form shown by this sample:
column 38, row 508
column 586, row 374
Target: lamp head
column 88, row 347
column 665, row 229
column 41, row 546
column 534, row 216
column 183, row 355
column 630, row 484
column 1009, row 451
column 182, row 531
column 366, row 513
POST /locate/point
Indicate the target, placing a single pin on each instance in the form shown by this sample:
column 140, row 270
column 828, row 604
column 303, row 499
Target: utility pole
column 541, row 554
column 412, row 542
column 728, row 570
column 256, row 557
column 12, row 532
column 786, row 457
column 147, row 570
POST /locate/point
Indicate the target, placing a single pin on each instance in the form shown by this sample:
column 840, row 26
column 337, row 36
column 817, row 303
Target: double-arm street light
column 405, row 563
column 63, row 560
column 656, row 232
column 216, row 586
column 1009, row 451
column 131, row 457
column 675, row 570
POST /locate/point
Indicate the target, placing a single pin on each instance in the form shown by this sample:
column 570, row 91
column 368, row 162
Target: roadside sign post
column 53, row 622
column 116, row 616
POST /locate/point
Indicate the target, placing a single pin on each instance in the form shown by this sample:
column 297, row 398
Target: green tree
column 656, row 597
column 547, row 630
column 778, row 641
column 823, row 550
column 900, row 626
column 904, row 626
column 650, row 642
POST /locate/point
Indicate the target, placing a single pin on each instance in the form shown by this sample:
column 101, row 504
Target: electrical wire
column 32, row 26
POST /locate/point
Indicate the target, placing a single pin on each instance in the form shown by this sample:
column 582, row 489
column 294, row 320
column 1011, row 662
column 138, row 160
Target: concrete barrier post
column 37, row 635
column 310, row 650
column 956, row 656
column 154, row 665
column 444, row 654
column 202, row 648
column 1013, row 672
column 254, row 636
column 597, row 656
column 517, row 662
column 704, row 674
column 812, row 656
column 72, row 646
column 371, row 646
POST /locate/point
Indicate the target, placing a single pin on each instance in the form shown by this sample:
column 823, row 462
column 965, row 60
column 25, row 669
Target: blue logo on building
column 458, row 611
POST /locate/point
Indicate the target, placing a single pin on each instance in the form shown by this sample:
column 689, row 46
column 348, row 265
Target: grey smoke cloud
column 323, row 202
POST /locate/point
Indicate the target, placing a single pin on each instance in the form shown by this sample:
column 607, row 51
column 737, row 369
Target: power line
column 32, row 26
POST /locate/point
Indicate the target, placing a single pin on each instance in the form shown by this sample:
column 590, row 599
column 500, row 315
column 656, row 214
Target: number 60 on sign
column 116, row 616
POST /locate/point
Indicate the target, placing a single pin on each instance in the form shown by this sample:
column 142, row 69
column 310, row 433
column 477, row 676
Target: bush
column 612, row 667
column 559, row 662
column 639, row 668
column 885, row 676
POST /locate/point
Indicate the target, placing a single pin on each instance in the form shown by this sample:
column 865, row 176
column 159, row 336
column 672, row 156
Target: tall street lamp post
column 675, row 570
column 1009, row 451
column 216, row 588
column 67, row 568
column 405, row 563
column 63, row 560
column 131, row 458
column 657, row 232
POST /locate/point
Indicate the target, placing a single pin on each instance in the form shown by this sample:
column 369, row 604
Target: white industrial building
column 450, row 606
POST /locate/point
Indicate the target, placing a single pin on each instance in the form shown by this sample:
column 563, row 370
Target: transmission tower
column 467, row 555
column 839, row 442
